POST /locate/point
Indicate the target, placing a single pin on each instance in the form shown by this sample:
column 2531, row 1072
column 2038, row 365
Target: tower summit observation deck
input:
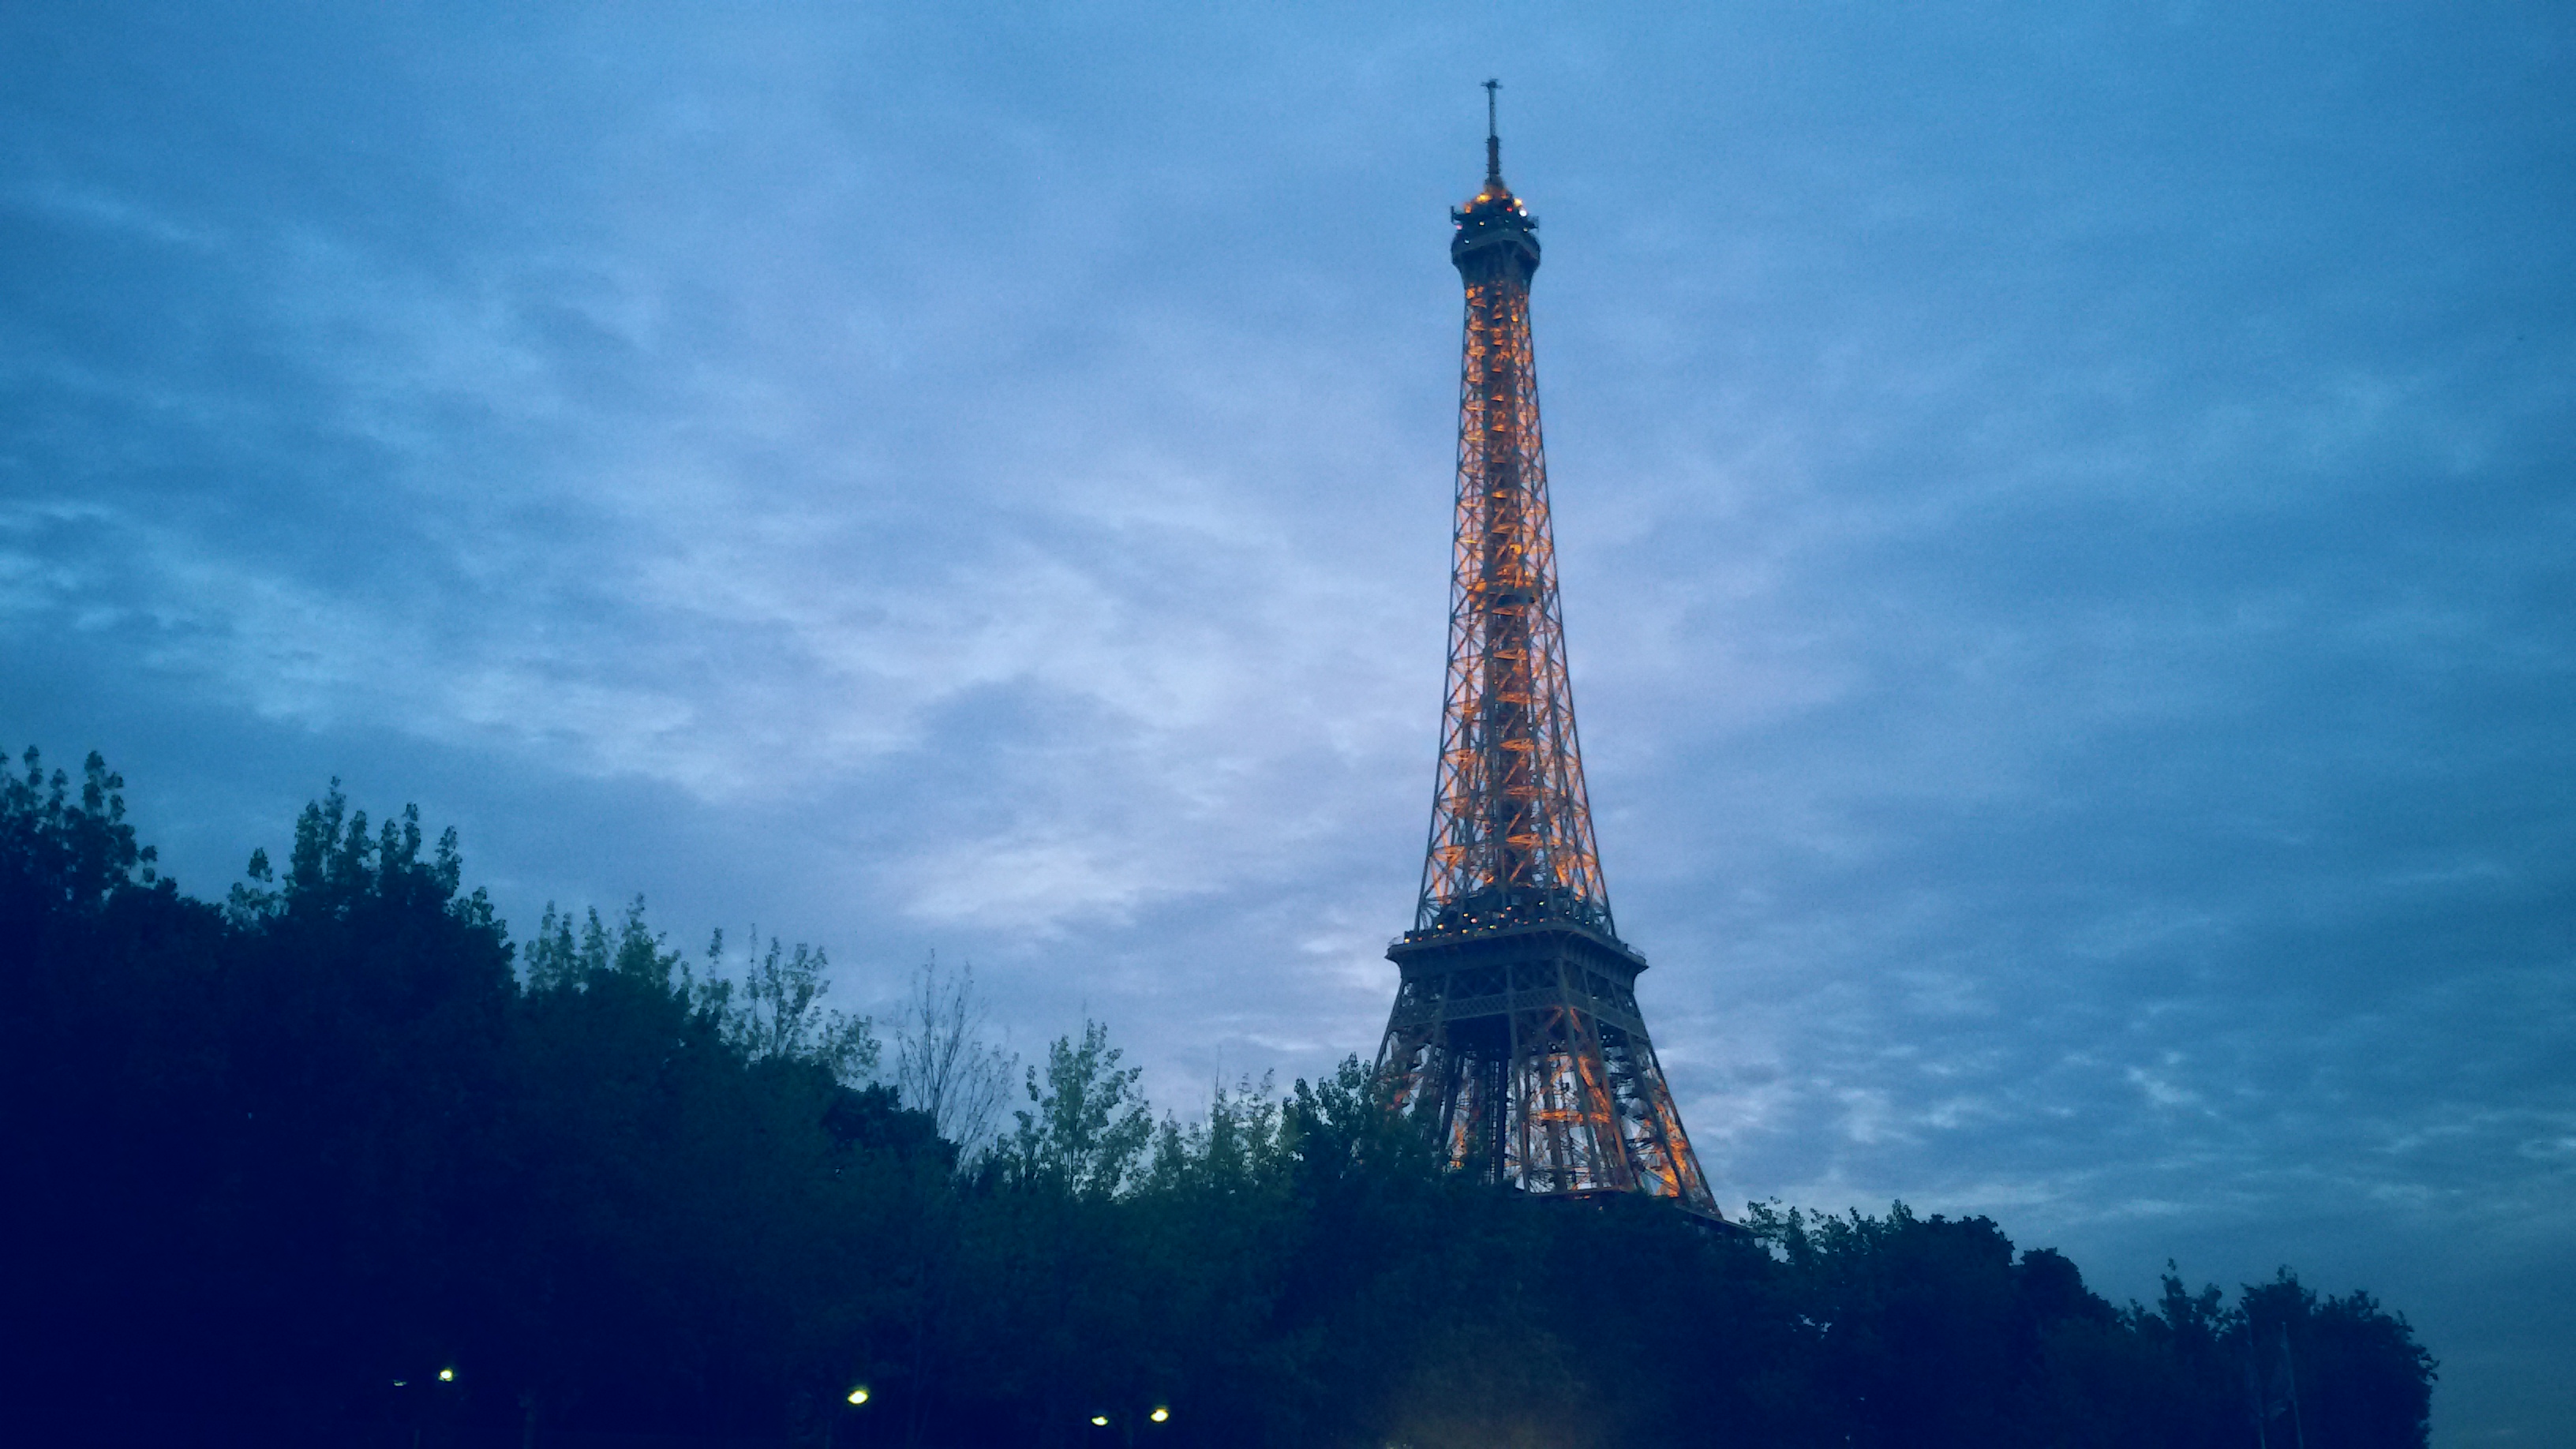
column 1515, row 1041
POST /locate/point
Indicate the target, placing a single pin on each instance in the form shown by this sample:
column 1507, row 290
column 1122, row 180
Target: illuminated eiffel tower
column 1515, row 1040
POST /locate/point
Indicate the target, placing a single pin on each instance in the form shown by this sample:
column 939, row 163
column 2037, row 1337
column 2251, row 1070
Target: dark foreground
column 333, row 1162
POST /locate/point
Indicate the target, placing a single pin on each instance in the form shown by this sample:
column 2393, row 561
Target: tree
column 943, row 1065
column 779, row 1016
column 2340, row 1369
column 56, row 853
column 1087, row 1128
column 285, row 1159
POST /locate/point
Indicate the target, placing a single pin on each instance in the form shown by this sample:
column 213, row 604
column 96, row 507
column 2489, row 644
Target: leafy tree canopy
column 337, row 1162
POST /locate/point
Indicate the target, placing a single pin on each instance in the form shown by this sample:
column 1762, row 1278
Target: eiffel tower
column 1515, row 1042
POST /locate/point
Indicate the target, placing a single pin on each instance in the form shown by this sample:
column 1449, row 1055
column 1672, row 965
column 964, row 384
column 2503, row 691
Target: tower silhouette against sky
column 1515, row 1040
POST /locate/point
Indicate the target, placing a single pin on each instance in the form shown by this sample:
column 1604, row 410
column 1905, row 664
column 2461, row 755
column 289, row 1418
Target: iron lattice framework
column 1515, row 1040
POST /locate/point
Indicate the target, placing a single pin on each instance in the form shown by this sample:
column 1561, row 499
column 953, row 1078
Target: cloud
column 2064, row 530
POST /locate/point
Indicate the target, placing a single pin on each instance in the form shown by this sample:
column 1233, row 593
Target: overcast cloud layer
column 2065, row 515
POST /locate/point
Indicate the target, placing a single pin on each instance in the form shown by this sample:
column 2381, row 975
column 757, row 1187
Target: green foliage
column 1087, row 1127
column 283, row 1160
column 780, row 1016
column 66, row 853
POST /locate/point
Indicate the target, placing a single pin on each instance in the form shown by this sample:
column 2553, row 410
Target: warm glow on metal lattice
column 1516, row 1042
column 1511, row 827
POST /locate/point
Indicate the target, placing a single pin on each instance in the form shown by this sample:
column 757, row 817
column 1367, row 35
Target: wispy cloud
column 2063, row 519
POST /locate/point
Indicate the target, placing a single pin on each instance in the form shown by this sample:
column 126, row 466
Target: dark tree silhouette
column 333, row 1162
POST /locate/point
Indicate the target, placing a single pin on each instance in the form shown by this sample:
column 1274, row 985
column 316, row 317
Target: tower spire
column 1493, row 139
column 1515, row 1042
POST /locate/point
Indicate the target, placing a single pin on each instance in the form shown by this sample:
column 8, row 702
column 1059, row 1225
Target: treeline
column 331, row 1161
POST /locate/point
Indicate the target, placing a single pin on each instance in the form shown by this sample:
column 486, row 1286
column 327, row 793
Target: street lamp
column 1159, row 1414
column 859, row 1395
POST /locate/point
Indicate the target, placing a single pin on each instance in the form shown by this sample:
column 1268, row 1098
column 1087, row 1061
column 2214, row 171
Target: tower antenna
column 1493, row 138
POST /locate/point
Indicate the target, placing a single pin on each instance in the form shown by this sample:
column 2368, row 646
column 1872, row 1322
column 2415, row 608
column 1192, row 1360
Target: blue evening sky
column 2065, row 514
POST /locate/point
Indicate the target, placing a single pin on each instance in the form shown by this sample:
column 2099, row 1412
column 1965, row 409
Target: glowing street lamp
column 859, row 1395
column 1159, row 1414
